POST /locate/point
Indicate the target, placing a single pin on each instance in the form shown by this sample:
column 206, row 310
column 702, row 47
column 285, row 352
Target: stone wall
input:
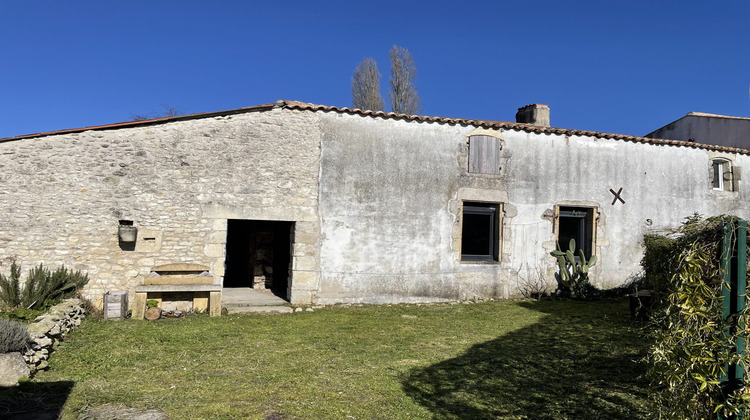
column 64, row 195
column 49, row 329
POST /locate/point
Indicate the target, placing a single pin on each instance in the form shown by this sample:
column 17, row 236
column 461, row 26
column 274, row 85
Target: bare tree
column 366, row 86
column 167, row 111
column 403, row 94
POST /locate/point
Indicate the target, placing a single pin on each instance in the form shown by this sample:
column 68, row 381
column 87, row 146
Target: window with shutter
column 724, row 176
column 484, row 155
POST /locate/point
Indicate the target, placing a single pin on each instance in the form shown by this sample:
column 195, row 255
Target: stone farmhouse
column 327, row 205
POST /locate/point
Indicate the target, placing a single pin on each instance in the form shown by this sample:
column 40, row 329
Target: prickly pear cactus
column 574, row 273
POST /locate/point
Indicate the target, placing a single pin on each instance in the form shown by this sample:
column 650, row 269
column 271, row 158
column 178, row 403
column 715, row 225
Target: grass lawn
column 515, row 360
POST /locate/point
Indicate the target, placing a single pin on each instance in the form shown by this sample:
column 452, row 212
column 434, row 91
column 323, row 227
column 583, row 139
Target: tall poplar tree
column 403, row 94
column 366, row 86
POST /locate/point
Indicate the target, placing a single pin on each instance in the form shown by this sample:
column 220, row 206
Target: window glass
column 480, row 232
column 576, row 223
column 718, row 178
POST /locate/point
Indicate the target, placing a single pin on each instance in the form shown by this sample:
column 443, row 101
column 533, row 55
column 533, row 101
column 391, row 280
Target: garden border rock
column 48, row 330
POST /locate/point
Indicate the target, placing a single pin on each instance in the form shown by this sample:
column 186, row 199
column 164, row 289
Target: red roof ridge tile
column 392, row 115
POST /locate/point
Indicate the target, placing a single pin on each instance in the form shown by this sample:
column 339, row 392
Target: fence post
column 733, row 289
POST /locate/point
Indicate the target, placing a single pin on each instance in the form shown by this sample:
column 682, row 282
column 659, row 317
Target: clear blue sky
column 615, row 66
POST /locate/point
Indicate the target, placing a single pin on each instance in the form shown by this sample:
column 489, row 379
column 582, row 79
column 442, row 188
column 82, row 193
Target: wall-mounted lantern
column 126, row 232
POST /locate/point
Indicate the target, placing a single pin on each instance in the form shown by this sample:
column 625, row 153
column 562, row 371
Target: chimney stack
column 534, row 114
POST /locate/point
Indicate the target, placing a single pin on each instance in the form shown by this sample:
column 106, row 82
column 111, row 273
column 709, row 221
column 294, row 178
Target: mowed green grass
column 511, row 359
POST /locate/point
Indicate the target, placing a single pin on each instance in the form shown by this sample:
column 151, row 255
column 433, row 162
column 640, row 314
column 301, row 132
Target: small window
column 724, row 176
column 577, row 223
column 484, row 155
column 480, row 231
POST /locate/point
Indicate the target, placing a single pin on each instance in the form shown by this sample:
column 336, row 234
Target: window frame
column 494, row 231
column 722, row 168
column 717, row 166
column 589, row 214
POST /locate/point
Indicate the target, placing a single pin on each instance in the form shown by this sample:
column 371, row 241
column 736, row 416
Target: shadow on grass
column 34, row 400
column 574, row 363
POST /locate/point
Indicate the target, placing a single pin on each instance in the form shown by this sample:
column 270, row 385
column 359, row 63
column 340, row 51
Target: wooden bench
column 179, row 278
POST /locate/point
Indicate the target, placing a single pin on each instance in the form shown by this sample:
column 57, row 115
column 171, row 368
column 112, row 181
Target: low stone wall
column 48, row 329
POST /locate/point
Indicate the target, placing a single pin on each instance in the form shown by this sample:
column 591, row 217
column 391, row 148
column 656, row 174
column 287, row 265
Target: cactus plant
column 574, row 274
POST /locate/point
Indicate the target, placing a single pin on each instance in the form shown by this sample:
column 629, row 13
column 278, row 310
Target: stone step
column 238, row 303
column 234, row 309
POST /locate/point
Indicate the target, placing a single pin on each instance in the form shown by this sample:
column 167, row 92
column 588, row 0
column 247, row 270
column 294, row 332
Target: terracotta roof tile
column 392, row 115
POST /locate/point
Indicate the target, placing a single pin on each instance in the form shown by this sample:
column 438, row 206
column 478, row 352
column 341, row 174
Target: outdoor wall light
column 126, row 232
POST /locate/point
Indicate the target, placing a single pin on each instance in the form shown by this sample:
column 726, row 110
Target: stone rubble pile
column 48, row 329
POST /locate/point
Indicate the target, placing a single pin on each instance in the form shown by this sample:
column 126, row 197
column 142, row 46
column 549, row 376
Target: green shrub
column 42, row 289
column 10, row 291
column 13, row 336
column 692, row 339
column 21, row 314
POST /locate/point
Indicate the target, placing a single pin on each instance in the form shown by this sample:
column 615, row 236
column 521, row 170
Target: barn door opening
column 259, row 255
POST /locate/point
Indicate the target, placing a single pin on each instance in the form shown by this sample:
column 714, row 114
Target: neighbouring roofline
column 699, row 115
column 706, row 114
column 303, row 106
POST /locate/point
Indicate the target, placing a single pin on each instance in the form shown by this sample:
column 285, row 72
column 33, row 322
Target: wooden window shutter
column 484, row 155
column 727, row 175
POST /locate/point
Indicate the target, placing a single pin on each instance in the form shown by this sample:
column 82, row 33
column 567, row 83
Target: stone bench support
column 205, row 296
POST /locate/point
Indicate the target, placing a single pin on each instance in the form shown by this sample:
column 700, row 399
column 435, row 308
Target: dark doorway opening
column 576, row 223
column 259, row 255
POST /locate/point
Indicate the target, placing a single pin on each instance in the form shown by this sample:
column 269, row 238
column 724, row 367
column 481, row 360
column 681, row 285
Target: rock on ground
column 12, row 368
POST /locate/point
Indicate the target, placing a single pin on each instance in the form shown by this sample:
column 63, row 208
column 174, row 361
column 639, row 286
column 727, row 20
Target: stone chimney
column 534, row 114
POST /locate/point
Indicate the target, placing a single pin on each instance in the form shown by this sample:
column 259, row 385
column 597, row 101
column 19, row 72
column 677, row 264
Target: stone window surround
column 494, row 210
column 735, row 175
column 463, row 158
column 591, row 217
column 507, row 213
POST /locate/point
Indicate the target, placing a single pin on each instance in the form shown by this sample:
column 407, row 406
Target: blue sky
column 614, row 66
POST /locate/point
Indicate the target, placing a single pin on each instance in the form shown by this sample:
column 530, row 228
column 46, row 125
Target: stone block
column 307, row 227
column 305, row 280
column 42, row 327
column 214, row 250
column 180, row 267
column 306, row 238
column 214, row 304
column 302, row 297
column 12, row 368
column 139, row 305
column 306, row 264
column 200, row 301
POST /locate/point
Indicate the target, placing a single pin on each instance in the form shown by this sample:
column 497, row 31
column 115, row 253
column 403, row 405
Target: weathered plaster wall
column 62, row 195
column 661, row 186
column 391, row 193
column 385, row 193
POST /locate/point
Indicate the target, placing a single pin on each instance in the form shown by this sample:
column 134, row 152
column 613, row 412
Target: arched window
column 724, row 176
